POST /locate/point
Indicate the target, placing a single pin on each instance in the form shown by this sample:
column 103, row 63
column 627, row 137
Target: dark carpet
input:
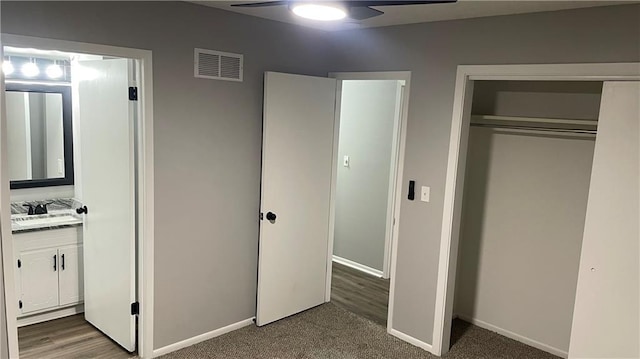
column 330, row 332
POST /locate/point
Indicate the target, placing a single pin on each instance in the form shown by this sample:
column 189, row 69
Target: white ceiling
column 408, row 14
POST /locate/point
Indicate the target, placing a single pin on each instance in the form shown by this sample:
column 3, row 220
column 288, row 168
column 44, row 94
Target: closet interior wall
column 523, row 213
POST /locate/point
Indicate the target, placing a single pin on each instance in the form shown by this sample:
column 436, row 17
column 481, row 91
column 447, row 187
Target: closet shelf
column 482, row 119
column 537, row 125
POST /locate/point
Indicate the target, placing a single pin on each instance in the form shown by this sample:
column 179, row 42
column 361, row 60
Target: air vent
column 218, row 65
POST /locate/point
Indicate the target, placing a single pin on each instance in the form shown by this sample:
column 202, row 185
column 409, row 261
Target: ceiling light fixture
column 7, row 67
column 320, row 12
column 30, row 69
column 54, row 71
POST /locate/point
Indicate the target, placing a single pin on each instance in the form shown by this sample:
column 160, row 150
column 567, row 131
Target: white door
column 39, row 279
column 71, row 286
column 297, row 152
column 107, row 189
column 605, row 317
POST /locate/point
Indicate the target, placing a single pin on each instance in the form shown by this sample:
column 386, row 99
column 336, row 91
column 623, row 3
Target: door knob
column 81, row 210
column 271, row 216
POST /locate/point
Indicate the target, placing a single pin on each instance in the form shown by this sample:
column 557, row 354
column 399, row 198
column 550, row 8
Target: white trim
column 357, row 266
column 332, row 196
column 400, row 76
column 145, row 185
column 509, row 334
column 411, row 340
column 56, row 314
column 202, row 337
column 393, row 175
column 6, row 242
column 456, row 162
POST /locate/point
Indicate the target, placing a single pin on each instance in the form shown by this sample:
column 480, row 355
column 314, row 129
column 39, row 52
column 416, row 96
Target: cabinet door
column 39, row 279
column 70, row 274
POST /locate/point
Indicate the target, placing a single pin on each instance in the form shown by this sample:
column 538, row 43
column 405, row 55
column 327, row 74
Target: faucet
column 31, row 209
column 40, row 208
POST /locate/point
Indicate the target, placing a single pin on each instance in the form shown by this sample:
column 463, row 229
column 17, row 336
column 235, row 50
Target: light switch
column 425, row 193
column 345, row 161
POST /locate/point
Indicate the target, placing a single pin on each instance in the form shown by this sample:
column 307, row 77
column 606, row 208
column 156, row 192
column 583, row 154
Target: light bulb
column 54, row 71
column 319, row 12
column 30, row 69
column 7, row 67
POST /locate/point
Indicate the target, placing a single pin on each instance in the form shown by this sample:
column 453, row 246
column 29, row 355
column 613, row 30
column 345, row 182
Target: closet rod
column 541, row 130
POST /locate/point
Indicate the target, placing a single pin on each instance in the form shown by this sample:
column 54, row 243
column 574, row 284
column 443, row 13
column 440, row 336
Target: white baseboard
column 514, row 336
column 56, row 314
column 358, row 266
column 202, row 337
column 411, row 340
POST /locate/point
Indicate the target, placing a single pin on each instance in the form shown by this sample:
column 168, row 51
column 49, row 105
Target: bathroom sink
column 23, row 222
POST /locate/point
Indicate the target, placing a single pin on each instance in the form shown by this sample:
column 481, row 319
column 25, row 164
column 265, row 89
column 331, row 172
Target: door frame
column 395, row 192
column 456, row 163
column 144, row 195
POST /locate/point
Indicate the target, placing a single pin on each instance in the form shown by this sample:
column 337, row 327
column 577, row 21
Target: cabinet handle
column 63, row 262
column 55, row 259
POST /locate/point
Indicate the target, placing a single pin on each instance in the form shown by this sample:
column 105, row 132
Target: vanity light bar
column 33, row 68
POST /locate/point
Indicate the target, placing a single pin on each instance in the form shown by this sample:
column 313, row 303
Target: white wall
column 523, row 212
column 521, row 233
column 369, row 110
column 553, row 99
column 41, row 193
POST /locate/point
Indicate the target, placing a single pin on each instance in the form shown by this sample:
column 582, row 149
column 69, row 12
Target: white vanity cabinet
column 49, row 271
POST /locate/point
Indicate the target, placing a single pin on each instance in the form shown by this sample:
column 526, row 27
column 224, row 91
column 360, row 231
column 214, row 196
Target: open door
column 107, row 189
column 605, row 315
column 297, row 157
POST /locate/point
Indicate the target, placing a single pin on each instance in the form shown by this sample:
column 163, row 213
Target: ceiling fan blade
column 365, row 3
column 363, row 12
column 262, row 4
column 351, row 3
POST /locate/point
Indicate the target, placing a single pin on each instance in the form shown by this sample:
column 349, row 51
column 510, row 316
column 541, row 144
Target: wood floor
column 360, row 293
column 70, row 338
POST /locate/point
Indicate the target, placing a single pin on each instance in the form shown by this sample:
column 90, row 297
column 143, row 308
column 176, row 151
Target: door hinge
column 135, row 308
column 19, row 263
column 133, row 93
column 20, row 304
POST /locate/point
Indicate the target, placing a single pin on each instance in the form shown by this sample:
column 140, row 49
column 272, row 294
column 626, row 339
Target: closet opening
column 526, row 184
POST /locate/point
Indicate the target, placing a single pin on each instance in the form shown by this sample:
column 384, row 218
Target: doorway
column 83, row 254
column 616, row 113
column 531, row 146
column 345, row 285
column 301, row 129
column 370, row 113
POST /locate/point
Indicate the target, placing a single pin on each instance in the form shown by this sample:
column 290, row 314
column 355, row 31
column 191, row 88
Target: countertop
column 61, row 214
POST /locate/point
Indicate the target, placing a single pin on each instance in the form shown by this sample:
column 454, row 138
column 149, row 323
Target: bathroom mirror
column 39, row 139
